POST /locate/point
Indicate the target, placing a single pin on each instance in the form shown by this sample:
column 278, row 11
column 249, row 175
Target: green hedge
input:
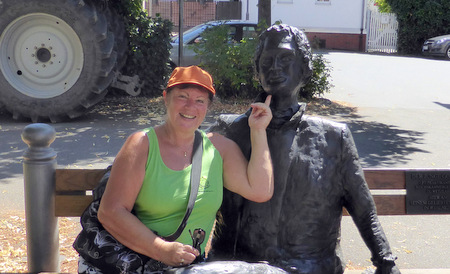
column 230, row 63
column 148, row 45
column 420, row 20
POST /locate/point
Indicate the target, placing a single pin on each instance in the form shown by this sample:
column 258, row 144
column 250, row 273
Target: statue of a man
column 317, row 173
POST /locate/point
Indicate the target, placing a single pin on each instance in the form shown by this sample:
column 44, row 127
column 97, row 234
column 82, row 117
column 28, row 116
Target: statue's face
column 280, row 66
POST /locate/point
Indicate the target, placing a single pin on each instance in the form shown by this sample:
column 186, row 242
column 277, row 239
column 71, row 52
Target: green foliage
column 383, row 6
column 148, row 45
column 229, row 62
column 419, row 20
column 231, row 65
column 320, row 82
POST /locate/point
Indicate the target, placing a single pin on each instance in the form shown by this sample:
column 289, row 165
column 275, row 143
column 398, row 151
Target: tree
column 419, row 20
column 264, row 12
column 383, row 6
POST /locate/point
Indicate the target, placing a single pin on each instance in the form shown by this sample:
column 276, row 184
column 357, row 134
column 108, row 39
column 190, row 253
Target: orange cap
column 191, row 75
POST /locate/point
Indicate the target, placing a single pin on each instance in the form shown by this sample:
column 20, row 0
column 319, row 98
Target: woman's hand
column 261, row 115
column 252, row 179
column 177, row 254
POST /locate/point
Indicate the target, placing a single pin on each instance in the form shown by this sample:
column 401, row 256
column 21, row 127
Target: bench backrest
column 74, row 190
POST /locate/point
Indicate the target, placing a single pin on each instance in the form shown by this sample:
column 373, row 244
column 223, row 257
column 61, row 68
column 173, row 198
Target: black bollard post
column 39, row 167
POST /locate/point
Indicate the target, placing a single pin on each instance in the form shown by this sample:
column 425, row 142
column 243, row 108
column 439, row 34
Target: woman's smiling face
column 186, row 106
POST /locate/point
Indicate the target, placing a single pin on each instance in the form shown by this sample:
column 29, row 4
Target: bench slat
column 385, row 179
column 74, row 205
column 86, row 179
column 78, row 179
column 388, row 205
column 71, row 205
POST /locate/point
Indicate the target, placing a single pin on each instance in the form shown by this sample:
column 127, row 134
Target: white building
column 331, row 24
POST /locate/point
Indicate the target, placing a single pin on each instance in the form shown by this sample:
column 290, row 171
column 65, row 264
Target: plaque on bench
column 427, row 192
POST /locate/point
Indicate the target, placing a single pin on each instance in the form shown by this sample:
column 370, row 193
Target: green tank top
column 163, row 198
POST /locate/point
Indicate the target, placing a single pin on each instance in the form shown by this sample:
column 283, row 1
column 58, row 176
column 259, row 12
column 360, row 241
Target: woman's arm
column 253, row 179
column 124, row 184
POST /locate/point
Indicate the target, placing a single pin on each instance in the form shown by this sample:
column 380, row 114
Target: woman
column 151, row 173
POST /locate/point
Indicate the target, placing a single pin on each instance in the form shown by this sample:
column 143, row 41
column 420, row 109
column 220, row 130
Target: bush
column 229, row 62
column 320, row 82
column 231, row 65
column 383, row 6
column 419, row 20
column 148, row 46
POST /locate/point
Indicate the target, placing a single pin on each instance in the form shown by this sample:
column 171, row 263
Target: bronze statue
column 317, row 173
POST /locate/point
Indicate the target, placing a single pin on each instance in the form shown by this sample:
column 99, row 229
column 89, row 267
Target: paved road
column 402, row 120
column 403, row 115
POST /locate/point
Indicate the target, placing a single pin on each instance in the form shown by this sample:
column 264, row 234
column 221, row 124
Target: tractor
column 59, row 57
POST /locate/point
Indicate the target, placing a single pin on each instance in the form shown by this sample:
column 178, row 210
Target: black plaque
column 427, row 192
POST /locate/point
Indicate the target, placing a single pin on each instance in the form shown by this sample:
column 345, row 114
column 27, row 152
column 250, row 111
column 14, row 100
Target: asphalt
column 401, row 119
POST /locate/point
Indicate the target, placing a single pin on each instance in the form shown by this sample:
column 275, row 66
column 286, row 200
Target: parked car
column 238, row 30
column 437, row 46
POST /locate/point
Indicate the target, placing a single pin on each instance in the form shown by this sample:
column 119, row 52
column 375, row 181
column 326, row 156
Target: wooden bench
column 388, row 186
column 74, row 190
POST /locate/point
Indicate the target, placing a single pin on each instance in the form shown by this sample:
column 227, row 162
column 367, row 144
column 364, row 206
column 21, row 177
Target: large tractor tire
column 57, row 58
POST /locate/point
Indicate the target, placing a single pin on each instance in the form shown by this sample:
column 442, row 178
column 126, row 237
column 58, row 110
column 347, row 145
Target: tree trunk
column 264, row 12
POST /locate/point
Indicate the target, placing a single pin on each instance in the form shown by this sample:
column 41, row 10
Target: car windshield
column 191, row 33
column 237, row 31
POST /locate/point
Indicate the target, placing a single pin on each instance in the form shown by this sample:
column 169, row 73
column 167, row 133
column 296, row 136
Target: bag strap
column 195, row 182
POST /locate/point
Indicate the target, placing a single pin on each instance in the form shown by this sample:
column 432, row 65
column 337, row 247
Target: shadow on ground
column 92, row 141
column 379, row 145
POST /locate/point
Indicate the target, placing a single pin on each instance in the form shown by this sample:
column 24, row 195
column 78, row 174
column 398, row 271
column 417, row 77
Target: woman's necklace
column 183, row 149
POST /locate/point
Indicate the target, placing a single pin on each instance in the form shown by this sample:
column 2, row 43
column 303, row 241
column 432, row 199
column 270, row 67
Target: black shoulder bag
column 100, row 249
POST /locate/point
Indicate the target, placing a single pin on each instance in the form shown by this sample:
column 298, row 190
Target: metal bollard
column 39, row 167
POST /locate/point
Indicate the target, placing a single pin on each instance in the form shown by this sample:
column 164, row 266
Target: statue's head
column 283, row 60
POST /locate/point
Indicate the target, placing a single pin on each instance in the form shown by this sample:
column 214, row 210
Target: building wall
column 335, row 16
column 339, row 41
column 194, row 13
column 250, row 10
column 340, row 24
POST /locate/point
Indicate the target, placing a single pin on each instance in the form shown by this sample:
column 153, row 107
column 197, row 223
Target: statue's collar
column 289, row 118
column 286, row 119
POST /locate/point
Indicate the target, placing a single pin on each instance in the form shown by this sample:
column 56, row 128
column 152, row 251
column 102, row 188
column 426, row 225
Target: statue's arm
column 224, row 240
column 222, row 124
column 359, row 203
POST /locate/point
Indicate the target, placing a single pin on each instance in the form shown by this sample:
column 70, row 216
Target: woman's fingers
column 262, row 107
column 189, row 255
column 268, row 100
column 180, row 254
column 261, row 114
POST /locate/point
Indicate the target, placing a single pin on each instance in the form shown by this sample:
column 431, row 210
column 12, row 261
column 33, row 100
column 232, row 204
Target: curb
column 407, row 271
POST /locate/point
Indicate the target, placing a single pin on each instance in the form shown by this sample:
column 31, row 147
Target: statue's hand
column 387, row 265
column 261, row 115
column 387, row 270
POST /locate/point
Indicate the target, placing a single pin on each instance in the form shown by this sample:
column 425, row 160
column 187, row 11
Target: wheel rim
column 41, row 56
column 448, row 52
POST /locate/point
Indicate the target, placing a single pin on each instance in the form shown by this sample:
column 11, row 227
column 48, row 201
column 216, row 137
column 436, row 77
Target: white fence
column 382, row 32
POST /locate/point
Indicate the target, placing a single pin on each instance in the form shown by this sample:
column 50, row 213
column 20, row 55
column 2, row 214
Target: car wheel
column 447, row 53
